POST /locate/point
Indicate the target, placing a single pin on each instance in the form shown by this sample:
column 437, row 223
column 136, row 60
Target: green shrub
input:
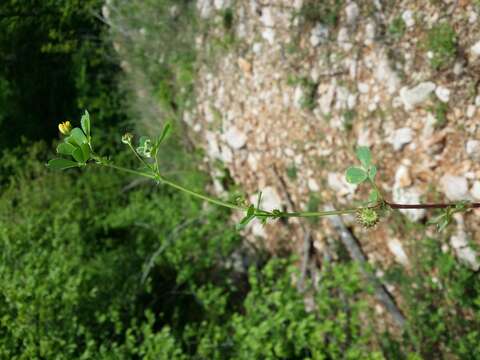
column 76, row 248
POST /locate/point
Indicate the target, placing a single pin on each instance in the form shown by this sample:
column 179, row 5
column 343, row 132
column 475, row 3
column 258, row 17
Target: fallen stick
column 356, row 253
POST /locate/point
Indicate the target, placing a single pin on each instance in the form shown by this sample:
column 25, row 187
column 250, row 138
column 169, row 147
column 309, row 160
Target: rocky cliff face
column 296, row 85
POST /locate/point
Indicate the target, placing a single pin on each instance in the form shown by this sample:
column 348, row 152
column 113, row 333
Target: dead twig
column 355, row 251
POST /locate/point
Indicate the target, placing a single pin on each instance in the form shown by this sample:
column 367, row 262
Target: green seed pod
column 367, row 217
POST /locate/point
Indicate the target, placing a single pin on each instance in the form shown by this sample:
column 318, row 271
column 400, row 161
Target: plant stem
column 201, row 196
column 130, row 171
column 174, row 185
column 268, row 214
column 317, row 213
column 429, row 206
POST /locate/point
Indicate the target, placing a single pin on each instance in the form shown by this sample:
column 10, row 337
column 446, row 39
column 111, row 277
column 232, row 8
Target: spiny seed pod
column 367, row 217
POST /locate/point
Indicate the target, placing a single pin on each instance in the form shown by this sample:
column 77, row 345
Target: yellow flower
column 65, row 127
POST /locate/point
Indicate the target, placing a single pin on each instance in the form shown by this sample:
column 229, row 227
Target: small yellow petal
column 65, row 127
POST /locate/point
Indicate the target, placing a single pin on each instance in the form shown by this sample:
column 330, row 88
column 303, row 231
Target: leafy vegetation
column 54, row 62
column 441, row 41
column 100, row 264
column 324, row 12
column 397, row 28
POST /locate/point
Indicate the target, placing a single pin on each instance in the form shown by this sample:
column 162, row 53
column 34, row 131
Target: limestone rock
column 455, row 187
column 409, row 195
column 472, row 148
column 416, row 95
column 235, row 138
column 475, row 49
column 443, row 94
column 318, row 35
column 400, row 137
column 395, row 246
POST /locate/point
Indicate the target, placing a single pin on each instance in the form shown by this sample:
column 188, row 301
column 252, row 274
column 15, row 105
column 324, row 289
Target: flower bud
column 65, row 128
column 127, row 138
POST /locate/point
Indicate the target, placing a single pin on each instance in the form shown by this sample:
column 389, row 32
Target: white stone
column 369, row 33
column 205, row 8
column 409, row 195
column 364, row 137
column 400, row 137
column 343, row 39
column 313, row 185
column 458, row 68
column 342, row 95
column 475, row 191
column 318, row 35
column 235, row 138
column 455, row 187
column 257, row 229
column 252, row 161
column 352, row 12
column 270, row 199
column 416, row 95
column 213, row 149
column 351, row 101
column 428, row 126
column 298, row 96
column 461, row 246
column 443, row 94
column 222, row 4
column 407, row 17
column 337, row 183
column 473, row 17
column 267, row 17
column 257, row 48
column 385, row 74
column 298, row 4
column 226, row 154
column 396, row 248
column 469, row 257
column 475, row 49
column 363, row 88
column 402, row 177
column 289, row 152
column 326, row 99
column 471, row 109
column 477, row 101
column 472, row 148
column 269, row 35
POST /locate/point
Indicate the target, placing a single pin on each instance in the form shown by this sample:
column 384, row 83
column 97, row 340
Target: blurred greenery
column 101, row 265
column 53, row 64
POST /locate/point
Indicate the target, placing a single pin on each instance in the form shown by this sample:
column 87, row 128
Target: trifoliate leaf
column 61, row 164
column 372, row 171
column 364, row 155
column 86, row 152
column 65, row 148
column 165, row 132
column 78, row 136
column 86, row 123
column 78, row 155
column 355, row 175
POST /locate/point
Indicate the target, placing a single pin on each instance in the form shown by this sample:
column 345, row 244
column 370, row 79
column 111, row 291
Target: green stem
column 317, row 213
column 202, row 196
column 174, row 185
column 130, row 171
column 139, row 157
column 258, row 212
